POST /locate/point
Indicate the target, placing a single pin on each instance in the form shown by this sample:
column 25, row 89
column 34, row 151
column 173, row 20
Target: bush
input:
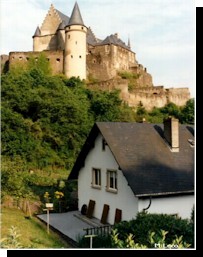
column 146, row 223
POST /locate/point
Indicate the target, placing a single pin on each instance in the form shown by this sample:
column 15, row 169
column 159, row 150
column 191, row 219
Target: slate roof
column 91, row 39
column 113, row 39
column 37, row 32
column 76, row 18
column 145, row 158
column 63, row 17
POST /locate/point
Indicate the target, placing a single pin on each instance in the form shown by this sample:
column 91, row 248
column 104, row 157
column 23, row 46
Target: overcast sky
column 161, row 32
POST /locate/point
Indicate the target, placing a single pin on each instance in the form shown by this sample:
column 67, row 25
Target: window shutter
column 90, row 208
column 118, row 216
column 105, row 213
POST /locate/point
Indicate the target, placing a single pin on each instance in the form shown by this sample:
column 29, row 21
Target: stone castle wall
column 101, row 67
column 149, row 96
column 54, row 57
column 104, row 62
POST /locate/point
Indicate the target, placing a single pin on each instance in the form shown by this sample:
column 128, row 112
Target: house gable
column 101, row 159
column 51, row 22
column 149, row 175
column 142, row 153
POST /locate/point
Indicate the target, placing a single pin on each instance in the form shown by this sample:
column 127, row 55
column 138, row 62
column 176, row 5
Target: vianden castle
column 72, row 48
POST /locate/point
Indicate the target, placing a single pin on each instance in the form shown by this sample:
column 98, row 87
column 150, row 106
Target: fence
column 103, row 230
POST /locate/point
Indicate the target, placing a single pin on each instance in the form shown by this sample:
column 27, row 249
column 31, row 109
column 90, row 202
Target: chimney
column 116, row 35
column 171, row 133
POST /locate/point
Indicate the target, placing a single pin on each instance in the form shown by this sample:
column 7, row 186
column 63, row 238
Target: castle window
column 13, row 58
column 48, row 59
column 20, row 58
column 76, row 42
column 27, row 58
column 71, row 56
column 68, row 36
column 69, row 27
column 58, row 60
column 80, row 56
column 82, row 27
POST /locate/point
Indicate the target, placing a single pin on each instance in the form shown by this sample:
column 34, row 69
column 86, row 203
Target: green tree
column 105, row 106
column 39, row 65
column 188, row 112
column 141, row 113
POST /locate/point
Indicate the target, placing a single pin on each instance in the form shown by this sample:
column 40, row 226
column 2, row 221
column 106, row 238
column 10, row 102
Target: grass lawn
column 31, row 233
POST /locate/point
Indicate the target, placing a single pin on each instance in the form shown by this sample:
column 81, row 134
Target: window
column 112, row 181
column 96, row 178
column 103, row 144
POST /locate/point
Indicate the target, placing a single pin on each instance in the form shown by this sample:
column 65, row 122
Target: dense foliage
column 145, row 223
column 46, row 118
column 148, row 231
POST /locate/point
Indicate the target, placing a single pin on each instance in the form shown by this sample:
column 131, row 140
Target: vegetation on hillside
column 46, row 118
column 18, row 231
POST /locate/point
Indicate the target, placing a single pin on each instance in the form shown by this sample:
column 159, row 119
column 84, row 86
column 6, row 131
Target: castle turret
column 75, row 46
column 36, row 38
column 61, row 36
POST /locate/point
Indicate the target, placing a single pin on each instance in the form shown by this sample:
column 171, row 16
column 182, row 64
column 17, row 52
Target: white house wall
column 181, row 205
column 124, row 199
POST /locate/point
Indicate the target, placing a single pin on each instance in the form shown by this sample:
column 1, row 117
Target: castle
column 72, row 48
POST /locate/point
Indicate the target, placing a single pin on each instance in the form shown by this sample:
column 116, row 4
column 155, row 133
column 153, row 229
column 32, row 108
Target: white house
column 124, row 168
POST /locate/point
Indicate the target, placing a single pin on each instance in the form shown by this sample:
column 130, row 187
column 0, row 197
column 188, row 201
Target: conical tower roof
column 76, row 18
column 37, row 32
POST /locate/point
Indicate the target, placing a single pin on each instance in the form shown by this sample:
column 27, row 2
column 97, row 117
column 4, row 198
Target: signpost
column 49, row 206
column 91, row 238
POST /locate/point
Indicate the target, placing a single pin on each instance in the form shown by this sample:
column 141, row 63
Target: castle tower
column 75, row 46
column 36, row 40
column 61, row 36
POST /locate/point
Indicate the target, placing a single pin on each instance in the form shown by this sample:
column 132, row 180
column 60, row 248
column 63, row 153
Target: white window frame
column 112, row 186
column 96, row 178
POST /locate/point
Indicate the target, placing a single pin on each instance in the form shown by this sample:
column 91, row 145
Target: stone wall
column 104, row 62
column 55, row 58
column 149, row 96
column 101, row 67
column 4, row 62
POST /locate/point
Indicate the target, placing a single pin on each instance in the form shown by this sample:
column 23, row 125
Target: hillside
column 45, row 120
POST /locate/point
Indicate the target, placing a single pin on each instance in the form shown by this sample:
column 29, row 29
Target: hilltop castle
column 72, row 48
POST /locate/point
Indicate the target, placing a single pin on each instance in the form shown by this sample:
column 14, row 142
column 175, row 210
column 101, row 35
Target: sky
column 161, row 32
